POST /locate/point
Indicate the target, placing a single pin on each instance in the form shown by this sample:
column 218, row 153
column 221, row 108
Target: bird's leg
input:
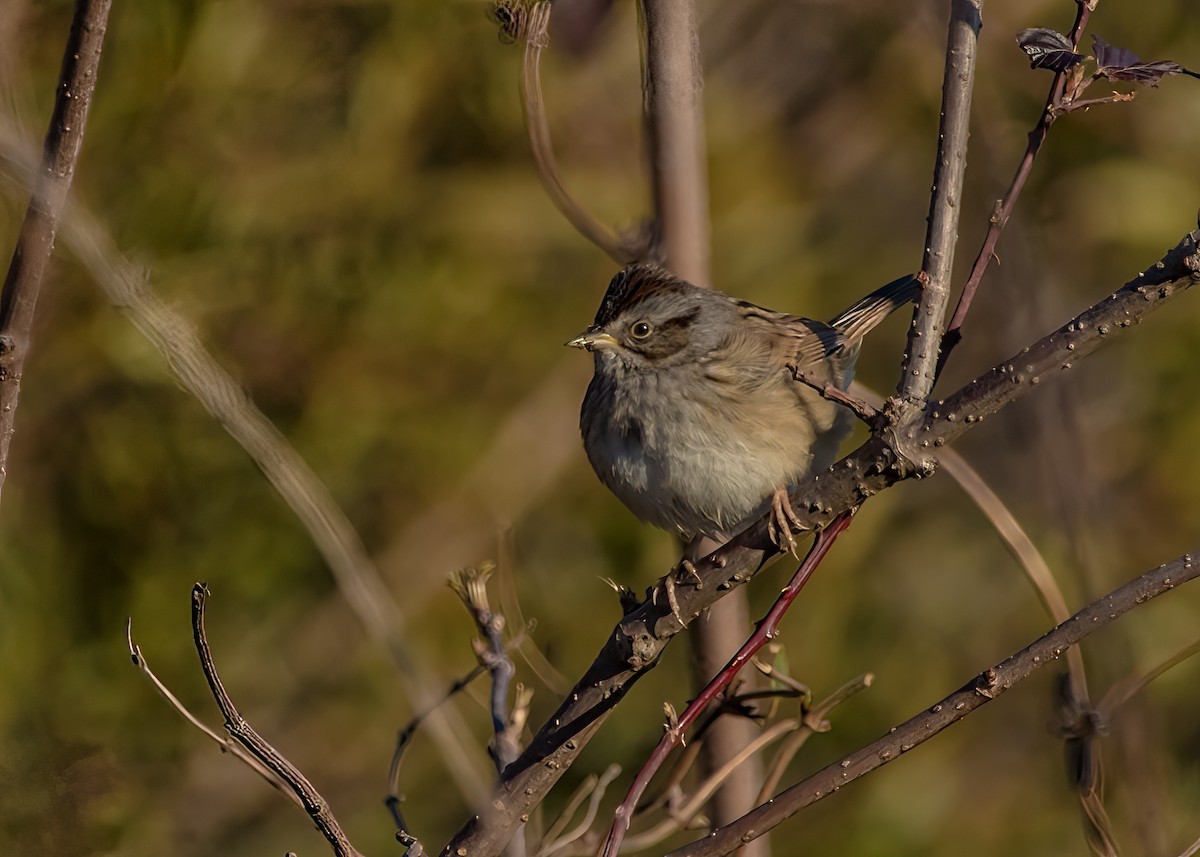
column 782, row 521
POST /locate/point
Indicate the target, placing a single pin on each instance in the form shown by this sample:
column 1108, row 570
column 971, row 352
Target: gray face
column 650, row 321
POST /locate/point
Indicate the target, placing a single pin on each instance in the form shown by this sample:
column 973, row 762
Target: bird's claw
column 782, row 521
column 674, row 577
column 686, row 567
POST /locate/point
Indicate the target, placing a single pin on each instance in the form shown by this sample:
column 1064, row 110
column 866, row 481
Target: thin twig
column 242, row 732
column 1127, row 688
column 1115, row 98
column 988, row 685
column 814, row 720
column 404, row 740
column 1004, row 207
column 227, row 744
column 865, row 412
column 683, row 815
column 536, row 34
column 767, row 628
column 599, row 787
column 48, row 198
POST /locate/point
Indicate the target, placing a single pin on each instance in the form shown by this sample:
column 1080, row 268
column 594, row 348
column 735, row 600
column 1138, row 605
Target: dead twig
column 242, row 732
column 227, row 744
column 48, row 199
column 535, row 31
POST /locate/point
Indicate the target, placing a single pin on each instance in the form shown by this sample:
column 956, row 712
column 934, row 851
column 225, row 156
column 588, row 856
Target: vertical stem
column 674, row 83
column 77, row 83
column 675, row 118
column 925, row 336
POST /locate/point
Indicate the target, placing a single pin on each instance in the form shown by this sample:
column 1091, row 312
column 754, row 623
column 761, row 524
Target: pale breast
column 705, row 458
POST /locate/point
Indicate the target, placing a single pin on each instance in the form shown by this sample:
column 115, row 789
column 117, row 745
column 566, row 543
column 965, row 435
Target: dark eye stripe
column 684, row 320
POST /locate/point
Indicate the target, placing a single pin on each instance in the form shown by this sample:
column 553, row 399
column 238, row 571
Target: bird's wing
column 766, row 343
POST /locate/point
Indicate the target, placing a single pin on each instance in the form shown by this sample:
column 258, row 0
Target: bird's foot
column 783, row 521
column 685, row 571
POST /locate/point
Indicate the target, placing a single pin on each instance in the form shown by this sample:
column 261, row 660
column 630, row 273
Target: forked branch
column 253, row 743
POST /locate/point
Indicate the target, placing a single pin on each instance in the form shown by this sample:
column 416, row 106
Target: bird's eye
column 641, row 329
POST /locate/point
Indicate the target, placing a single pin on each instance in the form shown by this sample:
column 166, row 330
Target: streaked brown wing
column 769, row 342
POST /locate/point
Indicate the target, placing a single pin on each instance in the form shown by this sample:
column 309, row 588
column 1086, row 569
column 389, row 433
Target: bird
column 702, row 415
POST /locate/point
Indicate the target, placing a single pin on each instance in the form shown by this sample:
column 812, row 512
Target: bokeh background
column 338, row 195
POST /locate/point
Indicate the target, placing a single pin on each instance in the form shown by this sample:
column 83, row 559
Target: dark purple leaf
column 1048, row 48
column 1123, row 64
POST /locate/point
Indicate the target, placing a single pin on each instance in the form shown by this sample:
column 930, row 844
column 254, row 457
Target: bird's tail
column 854, row 322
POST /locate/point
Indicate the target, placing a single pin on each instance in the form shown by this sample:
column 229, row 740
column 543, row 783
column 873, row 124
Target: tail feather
column 854, row 322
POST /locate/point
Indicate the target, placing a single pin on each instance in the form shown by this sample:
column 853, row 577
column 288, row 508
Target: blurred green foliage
column 338, row 194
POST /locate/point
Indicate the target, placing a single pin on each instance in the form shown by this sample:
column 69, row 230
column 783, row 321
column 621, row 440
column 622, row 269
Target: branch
column 227, row 744
column 985, row 687
column 470, row 585
column 941, row 236
column 1005, row 206
column 48, row 197
column 766, row 629
column 638, row 640
column 673, row 87
column 244, row 734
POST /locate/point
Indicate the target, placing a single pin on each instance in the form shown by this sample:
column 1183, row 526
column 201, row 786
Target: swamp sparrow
column 695, row 418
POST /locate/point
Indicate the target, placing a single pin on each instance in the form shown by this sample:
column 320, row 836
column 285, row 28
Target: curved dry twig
column 127, row 287
column 556, row 844
column 814, row 721
column 683, row 815
column 1127, row 688
column 1028, row 557
column 536, row 34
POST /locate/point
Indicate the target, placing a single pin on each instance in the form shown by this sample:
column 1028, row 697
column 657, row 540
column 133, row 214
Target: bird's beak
column 592, row 341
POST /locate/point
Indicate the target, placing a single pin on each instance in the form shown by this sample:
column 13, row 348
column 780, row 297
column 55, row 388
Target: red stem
column 766, row 630
column 1005, row 208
